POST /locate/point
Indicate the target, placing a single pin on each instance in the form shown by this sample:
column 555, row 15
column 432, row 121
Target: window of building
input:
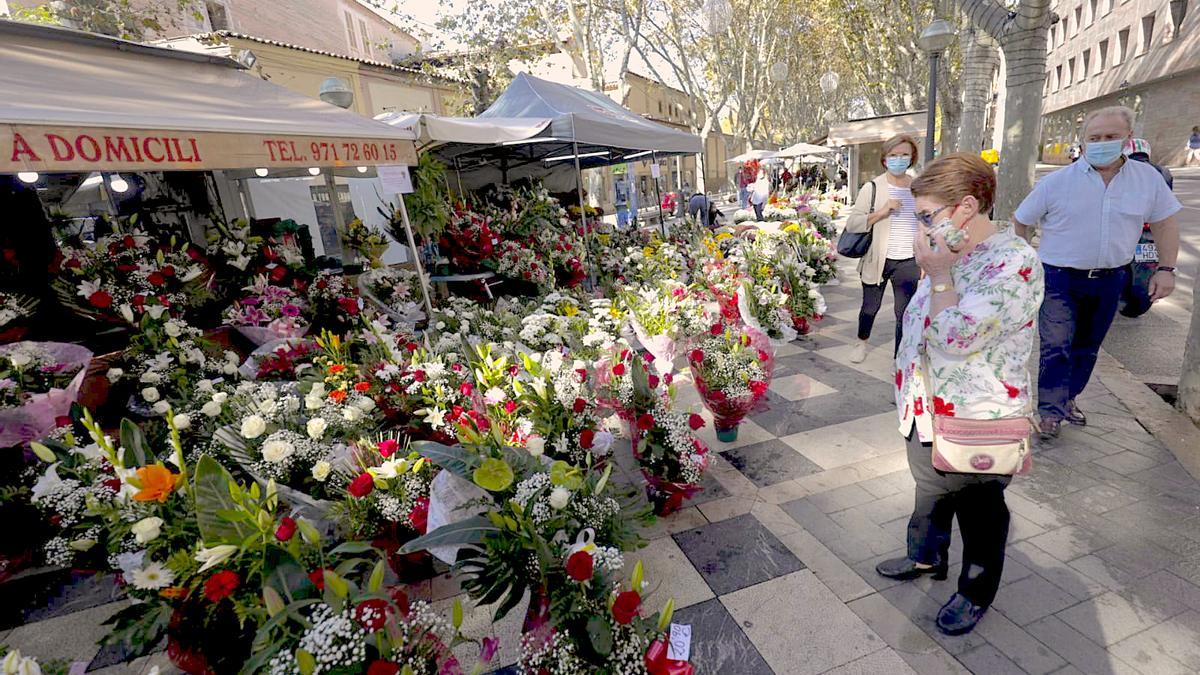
column 218, row 15
column 366, row 37
column 1147, row 32
column 1046, row 86
column 1095, row 13
column 1066, row 22
column 1102, row 56
column 1078, row 19
column 1122, row 46
column 1058, row 77
column 1053, row 36
column 660, row 107
column 1070, row 72
column 1083, row 63
column 350, row 32
column 1109, row 5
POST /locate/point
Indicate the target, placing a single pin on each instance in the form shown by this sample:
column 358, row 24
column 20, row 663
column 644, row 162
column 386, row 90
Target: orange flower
column 362, row 386
column 173, row 592
column 157, row 483
column 336, row 368
column 337, row 396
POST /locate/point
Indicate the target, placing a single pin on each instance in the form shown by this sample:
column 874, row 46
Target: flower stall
column 266, row 456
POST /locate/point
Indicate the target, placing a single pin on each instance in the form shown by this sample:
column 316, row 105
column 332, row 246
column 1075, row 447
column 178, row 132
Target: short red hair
column 950, row 178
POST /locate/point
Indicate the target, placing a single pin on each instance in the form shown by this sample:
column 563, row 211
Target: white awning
column 877, row 129
column 472, row 130
column 753, row 155
column 804, row 149
column 80, row 102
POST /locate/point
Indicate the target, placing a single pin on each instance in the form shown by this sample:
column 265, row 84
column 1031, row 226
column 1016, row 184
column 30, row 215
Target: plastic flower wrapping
column 394, row 291
column 38, row 383
column 268, row 312
column 731, row 367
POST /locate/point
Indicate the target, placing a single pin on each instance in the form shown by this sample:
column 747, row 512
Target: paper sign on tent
column 395, row 179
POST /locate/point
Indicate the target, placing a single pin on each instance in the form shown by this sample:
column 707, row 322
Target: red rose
column 652, row 381
column 362, row 387
column 388, row 448
column 139, row 300
column 716, row 329
column 695, row 422
column 763, row 356
column 362, row 485
column 465, row 388
column 286, row 529
column 348, row 305
column 419, row 516
column 371, row 614
column 128, row 241
column 278, row 274
column 668, row 378
column 619, row 369
column 626, row 607
column 411, row 347
column 582, row 374
column 645, row 422
column 648, row 357
column 317, row 577
column 418, row 376
column 696, row 356
column 580, row 566
column 510, row 406
column 156, row 279
column 757, row 387
column 168, row 271
column 587, row 438
column 941, row 407
column 579, row 406
column 100, row 300
column 221, row 585
column 383, row 668
column 1013, row 392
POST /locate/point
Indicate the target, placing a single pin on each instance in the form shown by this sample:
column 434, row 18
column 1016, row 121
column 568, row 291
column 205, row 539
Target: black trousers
column 978, row 501
column 758, row 211
column 904, row 275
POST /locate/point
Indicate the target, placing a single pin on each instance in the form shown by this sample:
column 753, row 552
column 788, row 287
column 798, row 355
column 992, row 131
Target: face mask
column 953, row 234
column 898, row 165
column 1103, row 153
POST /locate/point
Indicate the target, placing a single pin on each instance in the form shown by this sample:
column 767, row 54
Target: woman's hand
column 935, row 260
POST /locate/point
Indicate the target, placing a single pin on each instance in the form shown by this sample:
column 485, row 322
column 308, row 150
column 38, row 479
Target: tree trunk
column 981, row 56
column 1189, row 378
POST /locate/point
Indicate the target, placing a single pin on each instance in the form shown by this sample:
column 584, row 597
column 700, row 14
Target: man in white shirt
column 1091, row 215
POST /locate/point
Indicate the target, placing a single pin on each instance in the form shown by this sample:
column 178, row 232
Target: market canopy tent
column 753, row 155
column 435, row 129
column 538, row 128
column 877, row 129
column 76, row 101
column 801, row 149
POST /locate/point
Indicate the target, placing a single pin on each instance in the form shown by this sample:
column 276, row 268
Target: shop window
column 1147, row 32
column 1102, row 57
column 1122, row 46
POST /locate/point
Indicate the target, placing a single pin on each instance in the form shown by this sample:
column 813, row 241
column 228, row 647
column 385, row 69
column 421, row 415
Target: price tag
column 395, row 179
column 679, row 648
column 1147, row 252
column 655, row 170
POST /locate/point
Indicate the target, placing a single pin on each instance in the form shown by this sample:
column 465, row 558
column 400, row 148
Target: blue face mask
column 1103, row 153
column 898, row 165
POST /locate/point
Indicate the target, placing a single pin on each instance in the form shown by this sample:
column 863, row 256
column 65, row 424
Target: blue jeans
column 1076, row 314
column 622, row 216
column 743, row 197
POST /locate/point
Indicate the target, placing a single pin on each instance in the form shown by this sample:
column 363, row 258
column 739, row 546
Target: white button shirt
column 1087, row 225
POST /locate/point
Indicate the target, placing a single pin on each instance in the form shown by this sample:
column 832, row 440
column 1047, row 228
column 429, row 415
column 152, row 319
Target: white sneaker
column 859, row 353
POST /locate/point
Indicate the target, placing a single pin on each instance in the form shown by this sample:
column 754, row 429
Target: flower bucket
column 728, row 433
column 667, row 497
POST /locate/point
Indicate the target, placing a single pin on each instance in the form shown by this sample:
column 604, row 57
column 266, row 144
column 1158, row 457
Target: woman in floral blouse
column 974, row 314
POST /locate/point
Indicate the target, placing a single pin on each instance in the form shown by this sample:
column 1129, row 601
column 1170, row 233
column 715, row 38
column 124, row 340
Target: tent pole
column 662, row 223
column 458, row 174
column 412, row 249
column 339, row 219
column 587, row 237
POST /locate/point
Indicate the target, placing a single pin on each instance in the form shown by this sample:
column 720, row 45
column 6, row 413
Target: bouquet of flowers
column 672, row 458
column 333, row 303
column 732, row 369
column 517, row 261
column 468, row 239
column 280, row 360
column 395, row 291
column 121, row 276
column 268, row 312
column 238, row 254
column 814, row 249
column 778, row 213
column 38, row 383
column 561, row 406
column 14, row 306
column 165, row 358
column 367, row 243
column 389, row 496
column 659, row 316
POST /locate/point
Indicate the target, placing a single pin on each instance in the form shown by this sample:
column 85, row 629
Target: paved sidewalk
column 773, row 564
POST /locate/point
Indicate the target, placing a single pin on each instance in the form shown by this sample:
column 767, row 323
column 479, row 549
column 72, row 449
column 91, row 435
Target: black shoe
column 959, row 616
column 905, row 569
column 1075, row 415
column 1048, row 430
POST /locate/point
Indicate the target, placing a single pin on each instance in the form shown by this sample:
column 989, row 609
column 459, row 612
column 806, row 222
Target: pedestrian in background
column 968, row 334
column 1135, row 300
column 1193, row 147
column 745, row 178
column 885, row 208
column 760, row 191
column 1091, row 215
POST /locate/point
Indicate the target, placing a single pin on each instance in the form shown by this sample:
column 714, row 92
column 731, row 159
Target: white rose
column 220, row 397
column 147, row 530
column 320, row 470
column 253, row 427
column 211, row 409
column 229, row 368
column 352, row 414
column 277, row 451
column 559, row 497
column 114, row 374
column 205, row 386
column 268, row 406
column 536, row 446
column 312, row 403
column 183, row 421
column 151, row 377
column 365, row 404
column 173, row 329
column 291, row 404
column 155, row 311
column 161, row 407
column 150, row 394
column 316, row 428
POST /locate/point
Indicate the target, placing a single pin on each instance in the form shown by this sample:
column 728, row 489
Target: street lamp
column 935, row 39
column 829, row 82
column 336, row 91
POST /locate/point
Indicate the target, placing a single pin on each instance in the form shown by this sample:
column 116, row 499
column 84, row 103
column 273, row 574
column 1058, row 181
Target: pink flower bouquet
column 38, row 383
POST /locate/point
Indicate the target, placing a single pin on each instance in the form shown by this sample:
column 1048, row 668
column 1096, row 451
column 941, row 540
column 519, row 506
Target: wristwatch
column 1164, row 268
column 942, row 288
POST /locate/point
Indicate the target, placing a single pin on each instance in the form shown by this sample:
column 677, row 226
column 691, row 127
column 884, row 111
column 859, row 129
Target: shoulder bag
column 856, row 244
column 998, row 446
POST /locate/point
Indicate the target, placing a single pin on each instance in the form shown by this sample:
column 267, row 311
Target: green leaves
column 218, row 514
column 600, row 633
column 463, row 533
column 493, row 474
column 134, row 444
column 43, row 453
column 455, row 459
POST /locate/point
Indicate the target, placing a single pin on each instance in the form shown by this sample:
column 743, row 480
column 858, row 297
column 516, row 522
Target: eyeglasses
column 926, row 219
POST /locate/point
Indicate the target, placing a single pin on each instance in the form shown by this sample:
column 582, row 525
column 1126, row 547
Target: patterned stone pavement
column 772, row 565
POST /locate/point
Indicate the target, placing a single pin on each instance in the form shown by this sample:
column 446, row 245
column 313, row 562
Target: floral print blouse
column 979, row 348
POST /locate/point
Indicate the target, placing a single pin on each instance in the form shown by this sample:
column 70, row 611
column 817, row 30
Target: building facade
column 1123, row 52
